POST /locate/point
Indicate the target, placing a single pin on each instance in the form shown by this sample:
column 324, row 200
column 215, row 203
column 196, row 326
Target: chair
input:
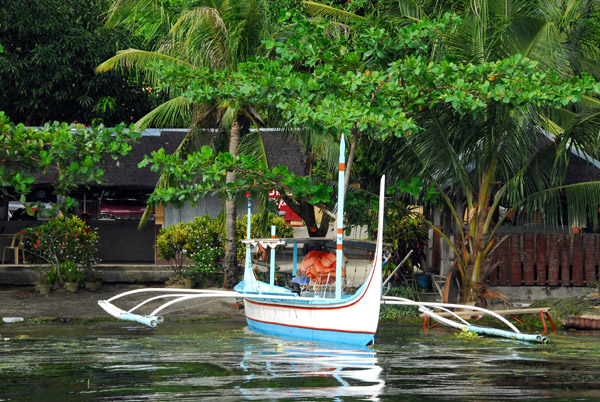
column 16, row 245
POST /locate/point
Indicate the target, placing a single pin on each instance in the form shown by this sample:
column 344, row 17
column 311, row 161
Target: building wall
column 120, row 240
column 210, row 205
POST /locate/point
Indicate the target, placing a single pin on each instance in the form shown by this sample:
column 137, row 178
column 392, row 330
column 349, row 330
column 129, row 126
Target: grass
column 391, row 313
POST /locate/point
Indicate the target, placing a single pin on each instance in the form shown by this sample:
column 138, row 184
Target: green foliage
column 170, row 244
column 416, row 188
column 69, row 153
column 466, row 334
column 202, row 172
column 330, row 93
column 71, row 272
column 62, row 239
column 199, row 241
column 47, row 68
column 260, row 229
column 405, row 230
column 390, row 313
column 205, row 245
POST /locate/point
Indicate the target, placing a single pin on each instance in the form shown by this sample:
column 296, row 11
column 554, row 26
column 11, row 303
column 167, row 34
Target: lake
column 191, row 361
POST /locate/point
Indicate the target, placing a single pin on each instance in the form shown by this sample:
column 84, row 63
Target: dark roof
column 124, row 172
column 283, row 149
column 580, row 170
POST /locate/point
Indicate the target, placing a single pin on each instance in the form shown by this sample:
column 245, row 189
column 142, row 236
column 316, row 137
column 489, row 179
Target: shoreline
column 62, row 306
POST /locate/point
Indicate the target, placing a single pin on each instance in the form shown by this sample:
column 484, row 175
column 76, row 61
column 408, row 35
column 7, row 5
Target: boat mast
column 339, row 256
column 249, row 282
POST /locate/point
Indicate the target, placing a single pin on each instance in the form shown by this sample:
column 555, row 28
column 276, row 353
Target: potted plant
column 60, row 240
column 44, row 283
column 93, row 278
column 72, row 275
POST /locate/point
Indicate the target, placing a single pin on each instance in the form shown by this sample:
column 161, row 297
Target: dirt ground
column 24, row 301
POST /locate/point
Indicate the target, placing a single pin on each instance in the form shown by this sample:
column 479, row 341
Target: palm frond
column 141, row 60
column 175, row 112
column 148, row 19
column 252, row 144
column 581, row 202
column 412, row 10
column 332, row 13
column 201, row 36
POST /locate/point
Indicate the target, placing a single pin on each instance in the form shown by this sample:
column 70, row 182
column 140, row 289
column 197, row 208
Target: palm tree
column 498, row 159
column 205, row 33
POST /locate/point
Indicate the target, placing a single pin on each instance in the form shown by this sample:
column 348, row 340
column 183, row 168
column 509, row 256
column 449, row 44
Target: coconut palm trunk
column 230, row 265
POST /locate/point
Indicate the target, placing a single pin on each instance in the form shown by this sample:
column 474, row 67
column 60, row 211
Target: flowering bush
column 199, row 241
column 59, row 240
column 205, row 245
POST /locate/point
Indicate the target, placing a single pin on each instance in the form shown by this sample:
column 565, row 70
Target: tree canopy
column 51, row 48
column 312, row 87
column 69, row 153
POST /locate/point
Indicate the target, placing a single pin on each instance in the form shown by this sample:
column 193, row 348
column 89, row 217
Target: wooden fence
column 533, row 259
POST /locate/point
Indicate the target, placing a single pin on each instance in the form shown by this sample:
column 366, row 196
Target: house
column 122, row 192
column 116, row 205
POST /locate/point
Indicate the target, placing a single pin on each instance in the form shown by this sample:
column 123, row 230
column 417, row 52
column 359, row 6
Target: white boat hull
column 348, row 320
column 352, row 321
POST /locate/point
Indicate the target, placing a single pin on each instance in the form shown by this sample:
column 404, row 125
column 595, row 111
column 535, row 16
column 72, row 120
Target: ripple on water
column 198, row 361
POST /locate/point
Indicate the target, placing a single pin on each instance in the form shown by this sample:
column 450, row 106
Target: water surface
column 225, row 361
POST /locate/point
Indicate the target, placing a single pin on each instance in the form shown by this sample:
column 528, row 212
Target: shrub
column 202, row 241
column 170, row 244
column 60, row 240
column 199, row 241
column 405, row 231
column 205, row 245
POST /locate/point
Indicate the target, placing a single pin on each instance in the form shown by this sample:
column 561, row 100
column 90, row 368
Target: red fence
column 547, row 260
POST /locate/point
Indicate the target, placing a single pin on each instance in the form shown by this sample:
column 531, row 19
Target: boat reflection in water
column 296, row 370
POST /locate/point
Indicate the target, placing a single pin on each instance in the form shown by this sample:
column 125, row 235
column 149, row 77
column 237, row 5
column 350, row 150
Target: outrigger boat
column 330, row 315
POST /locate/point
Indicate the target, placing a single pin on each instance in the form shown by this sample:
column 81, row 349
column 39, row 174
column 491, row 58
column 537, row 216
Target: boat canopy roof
column 280, row 241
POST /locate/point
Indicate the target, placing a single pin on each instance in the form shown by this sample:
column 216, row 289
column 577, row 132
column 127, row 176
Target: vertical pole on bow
column 295, row 261
column 339, row 255
column 272, row 267
column 248, row 230
column 248, row 274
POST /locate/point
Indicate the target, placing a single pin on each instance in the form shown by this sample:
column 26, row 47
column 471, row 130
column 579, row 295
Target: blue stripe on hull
column 349, row 338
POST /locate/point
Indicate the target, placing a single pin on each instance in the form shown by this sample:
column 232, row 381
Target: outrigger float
column 303, row 311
